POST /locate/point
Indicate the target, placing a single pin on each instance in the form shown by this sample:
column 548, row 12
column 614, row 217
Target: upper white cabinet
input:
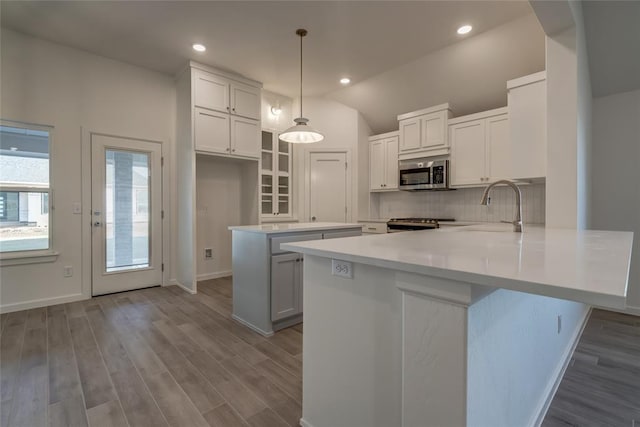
column 424, row 132
column 226, row 115
column 383, row 162
column 527, row 100
column 228, row 96
column 480, row 148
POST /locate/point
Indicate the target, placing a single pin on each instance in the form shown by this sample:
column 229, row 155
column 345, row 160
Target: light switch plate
column 77, row 208
column 342, row 268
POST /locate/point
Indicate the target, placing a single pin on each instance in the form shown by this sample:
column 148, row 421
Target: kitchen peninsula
column 469, row 326
column 267, row 280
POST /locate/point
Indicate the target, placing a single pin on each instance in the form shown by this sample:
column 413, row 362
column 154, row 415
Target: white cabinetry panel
column 211, row 91
column 211, row 131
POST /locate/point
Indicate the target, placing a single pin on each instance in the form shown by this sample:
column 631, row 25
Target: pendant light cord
column 301, row 36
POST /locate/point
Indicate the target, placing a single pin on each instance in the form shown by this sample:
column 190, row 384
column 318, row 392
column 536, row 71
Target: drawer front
column 345, row 233
column 374, row 227
column 277, row 241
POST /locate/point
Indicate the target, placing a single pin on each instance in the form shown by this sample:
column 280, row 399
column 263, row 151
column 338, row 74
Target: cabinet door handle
column 234, row 150
column 371, row 228
column 233, row 109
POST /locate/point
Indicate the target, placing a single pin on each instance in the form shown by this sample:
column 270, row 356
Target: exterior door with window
column 126, row 212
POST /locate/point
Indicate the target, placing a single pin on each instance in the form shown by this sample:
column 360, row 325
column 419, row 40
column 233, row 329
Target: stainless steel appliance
column 424, row 174
column 411, row 224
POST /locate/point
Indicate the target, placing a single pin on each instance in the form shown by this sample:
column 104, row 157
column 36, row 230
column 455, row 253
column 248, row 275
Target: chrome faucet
column 517, row 223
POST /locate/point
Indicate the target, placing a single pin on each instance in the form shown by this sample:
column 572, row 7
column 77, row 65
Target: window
column 24, row 188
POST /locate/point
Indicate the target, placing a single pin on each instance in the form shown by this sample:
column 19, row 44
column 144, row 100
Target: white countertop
column 586, row 266
column 293, row 227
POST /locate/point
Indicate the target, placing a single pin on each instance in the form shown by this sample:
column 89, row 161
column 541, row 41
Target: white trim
column 433, row 109
column 527, row 80
column 477, row 116
column 305, row 423
column 43, row 302
column 395, row 133
column 552, row 386
column 24, row 257
column 180, row 285
column 215, row 275
column 252, row 327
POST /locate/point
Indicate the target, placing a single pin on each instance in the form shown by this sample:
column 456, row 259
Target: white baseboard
column 305, row 423
column 43, row 302
column 552, row 387
column 250, row 326
column 635, row 311
column 216, row 275
column 180, row 285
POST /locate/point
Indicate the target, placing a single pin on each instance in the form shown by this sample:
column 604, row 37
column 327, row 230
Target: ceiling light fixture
column 465, row 29
column 301, row 133
column 199, row 47
column 345, row 80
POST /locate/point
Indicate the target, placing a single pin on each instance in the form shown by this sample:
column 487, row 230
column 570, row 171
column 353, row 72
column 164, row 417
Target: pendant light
column 301, row 132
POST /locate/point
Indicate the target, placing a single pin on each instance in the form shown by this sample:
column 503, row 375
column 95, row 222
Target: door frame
column 85, row 203
column 307, row 180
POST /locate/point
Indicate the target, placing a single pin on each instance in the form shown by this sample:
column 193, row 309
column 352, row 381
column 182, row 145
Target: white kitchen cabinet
column 527, row 103
column 226, row 115
column 424, row 132
column 211, row 131
column 373, row 227
column 286, row 285
column 383, row 162
column 275, row 178
column 226, row 95
column 480, row 148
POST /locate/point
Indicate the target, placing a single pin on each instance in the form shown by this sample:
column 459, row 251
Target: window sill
column 35, row 257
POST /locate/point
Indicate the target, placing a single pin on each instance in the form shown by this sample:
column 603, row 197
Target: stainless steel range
column 411, row 224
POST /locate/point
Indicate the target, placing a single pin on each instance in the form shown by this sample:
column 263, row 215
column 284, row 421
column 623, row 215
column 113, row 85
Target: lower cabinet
column 267, row 279
column 286, row 285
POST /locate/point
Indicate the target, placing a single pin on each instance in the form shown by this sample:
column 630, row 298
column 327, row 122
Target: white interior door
column 328, row 187
column 126, row 212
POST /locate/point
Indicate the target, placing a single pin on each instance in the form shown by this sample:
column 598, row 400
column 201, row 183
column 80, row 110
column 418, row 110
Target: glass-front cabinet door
column 275, row 177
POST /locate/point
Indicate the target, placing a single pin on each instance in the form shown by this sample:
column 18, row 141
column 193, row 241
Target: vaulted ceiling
column 399, row 55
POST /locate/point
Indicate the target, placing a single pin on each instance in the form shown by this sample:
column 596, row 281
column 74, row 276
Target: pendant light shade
column 301, row 132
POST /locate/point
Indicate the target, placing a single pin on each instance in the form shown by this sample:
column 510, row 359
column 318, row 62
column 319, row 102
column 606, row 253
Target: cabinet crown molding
column 433, row 109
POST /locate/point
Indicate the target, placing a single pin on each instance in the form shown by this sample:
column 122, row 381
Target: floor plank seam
column 75, row 359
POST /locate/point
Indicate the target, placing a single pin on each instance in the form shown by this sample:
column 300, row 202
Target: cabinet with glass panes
column 275, row 177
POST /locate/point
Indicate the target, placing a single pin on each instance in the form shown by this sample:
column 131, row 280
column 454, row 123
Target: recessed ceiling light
column 199, row 47
column 345, row 80
column 465, row 29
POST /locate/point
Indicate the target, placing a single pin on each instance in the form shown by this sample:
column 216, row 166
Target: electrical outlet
column 559, row 323
column 342, row 268
column 208, row 253
column 68, row 271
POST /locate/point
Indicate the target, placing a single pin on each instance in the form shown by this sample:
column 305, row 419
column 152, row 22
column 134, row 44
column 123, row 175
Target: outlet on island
column 342, row 268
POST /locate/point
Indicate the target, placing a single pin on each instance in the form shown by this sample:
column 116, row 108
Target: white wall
column 615, row 196
column 222, row 186
column 49, row 84
column 342, row 129
column 271, row 121
column 568, row 123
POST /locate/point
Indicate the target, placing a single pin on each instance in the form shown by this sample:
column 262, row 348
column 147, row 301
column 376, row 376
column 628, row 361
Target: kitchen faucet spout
column 517, row 222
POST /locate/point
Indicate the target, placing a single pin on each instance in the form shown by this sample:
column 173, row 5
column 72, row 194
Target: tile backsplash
column 462, row 204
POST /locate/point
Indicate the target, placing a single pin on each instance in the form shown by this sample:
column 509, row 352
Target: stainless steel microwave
column 424, row 174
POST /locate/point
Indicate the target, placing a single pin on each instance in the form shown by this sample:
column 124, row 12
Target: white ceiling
column 359, row 39
column 613, row 42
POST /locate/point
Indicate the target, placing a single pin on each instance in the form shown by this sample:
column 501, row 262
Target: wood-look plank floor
column 152, row 357
column 162, row 357
column 601, row 386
